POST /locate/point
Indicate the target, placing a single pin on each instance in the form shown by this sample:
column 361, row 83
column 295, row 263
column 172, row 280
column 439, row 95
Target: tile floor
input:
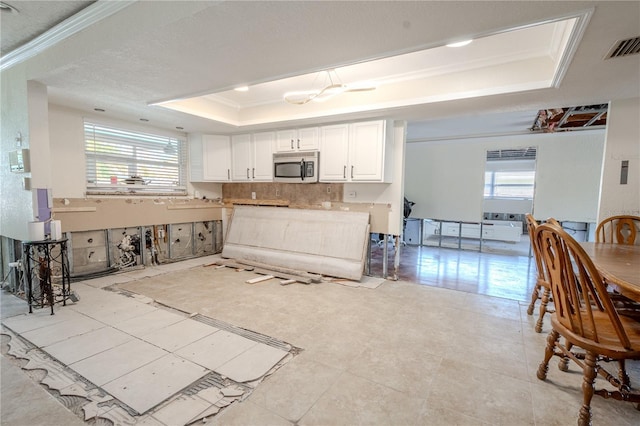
column 398, row 354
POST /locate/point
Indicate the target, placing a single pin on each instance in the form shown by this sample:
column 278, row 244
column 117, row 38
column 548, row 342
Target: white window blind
column 124, row 161
column 509, row 184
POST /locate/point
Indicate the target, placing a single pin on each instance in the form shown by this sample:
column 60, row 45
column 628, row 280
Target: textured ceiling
column 159, row 50
column 32, row 18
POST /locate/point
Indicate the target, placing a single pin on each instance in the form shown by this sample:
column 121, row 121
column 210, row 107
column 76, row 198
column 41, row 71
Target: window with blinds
column 124, row 161
column 510, row 173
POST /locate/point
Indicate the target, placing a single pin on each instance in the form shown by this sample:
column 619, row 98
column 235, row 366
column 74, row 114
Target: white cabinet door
column 241, row 155
column 366, row 151
column 263, row 156
column 305, row 139
column 196, row 172
column 286, row 140
column 216, row 161
column 334, row 150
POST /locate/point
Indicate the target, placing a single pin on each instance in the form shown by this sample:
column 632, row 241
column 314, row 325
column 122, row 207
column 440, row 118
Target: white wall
column 66, row 133
column 24, row 111
column 568, row 176
column 622, row 143
column 446, row 178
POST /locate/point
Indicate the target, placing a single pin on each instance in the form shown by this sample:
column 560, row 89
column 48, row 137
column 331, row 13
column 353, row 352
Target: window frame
column 492, row 185
column 109, row 149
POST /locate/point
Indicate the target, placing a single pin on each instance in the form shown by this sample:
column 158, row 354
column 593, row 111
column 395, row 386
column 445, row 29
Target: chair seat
column 608, row 341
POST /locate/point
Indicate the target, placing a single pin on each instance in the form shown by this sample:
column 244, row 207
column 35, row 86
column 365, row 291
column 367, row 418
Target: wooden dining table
column 619, row 265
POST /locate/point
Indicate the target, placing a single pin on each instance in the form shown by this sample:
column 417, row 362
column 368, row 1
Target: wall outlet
column 351, row 194
column 253, row 195
column 328, row 190
column 277, row 192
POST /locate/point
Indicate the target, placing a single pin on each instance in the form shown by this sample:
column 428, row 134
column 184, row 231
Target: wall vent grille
column 624, row 48
column 512, row 154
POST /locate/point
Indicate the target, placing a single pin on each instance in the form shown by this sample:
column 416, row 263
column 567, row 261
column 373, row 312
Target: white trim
column 88, row 16
column 572, row 46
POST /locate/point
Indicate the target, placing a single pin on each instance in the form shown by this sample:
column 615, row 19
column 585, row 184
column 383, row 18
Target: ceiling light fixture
column 242, row 89
column 459, row 43
column 332, row 87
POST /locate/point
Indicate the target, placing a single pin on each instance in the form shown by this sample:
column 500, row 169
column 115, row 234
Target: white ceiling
column 154, row 50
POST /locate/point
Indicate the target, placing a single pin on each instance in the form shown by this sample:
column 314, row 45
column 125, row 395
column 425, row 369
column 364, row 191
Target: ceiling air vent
column 624, row 48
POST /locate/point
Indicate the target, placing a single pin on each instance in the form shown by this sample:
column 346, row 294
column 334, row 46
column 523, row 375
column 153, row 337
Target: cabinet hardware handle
column 351, row 172
column 247, row 173
column 344, row 172
column 228, row 174
column 298, row 143
column 253, row 173
column 291, row 143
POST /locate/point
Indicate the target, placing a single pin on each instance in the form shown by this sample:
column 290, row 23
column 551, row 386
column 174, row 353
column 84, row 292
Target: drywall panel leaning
column 324, row 242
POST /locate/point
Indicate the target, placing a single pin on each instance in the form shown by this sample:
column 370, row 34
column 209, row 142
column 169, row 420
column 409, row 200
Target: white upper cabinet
column 356, row 152
column 366, row 151
column 196, row 172
column 216, row 158
column 252, row 157
column 241, row 157
column 334, row 152
column 263, row 156
column 304, row 139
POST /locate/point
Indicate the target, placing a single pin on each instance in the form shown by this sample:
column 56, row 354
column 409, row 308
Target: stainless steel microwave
column 295, row 167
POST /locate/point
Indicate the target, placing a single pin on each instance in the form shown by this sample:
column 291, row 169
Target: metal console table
column 41, row 257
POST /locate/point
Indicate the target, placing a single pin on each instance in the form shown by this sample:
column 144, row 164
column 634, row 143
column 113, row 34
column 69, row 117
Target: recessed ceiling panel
column 526, row 58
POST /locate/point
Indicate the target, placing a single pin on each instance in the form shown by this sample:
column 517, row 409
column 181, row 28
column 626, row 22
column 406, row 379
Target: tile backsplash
column 294, row 193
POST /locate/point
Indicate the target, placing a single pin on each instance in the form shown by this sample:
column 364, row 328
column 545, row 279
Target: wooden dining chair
column 622, row 229
column 542, row 288
column 585, row 317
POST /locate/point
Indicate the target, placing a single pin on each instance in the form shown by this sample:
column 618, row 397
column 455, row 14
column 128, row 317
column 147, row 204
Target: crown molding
column 88, row 16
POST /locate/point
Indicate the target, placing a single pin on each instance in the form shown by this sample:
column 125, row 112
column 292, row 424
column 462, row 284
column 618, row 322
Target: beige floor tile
column 51, row 334
column 333, row 345
column 502, row 308
column 403, row 367
column 295, row 387
column 179, row 334
column 214, row 350
column 151, row 321
column 246, row 413
column 503, row 357
column 251, row 364
column 153, row 383
column 38, row 319
column 86, row 345
column 120, row 360
column 181, row 410
column 444, row 416
column 491, row 327
column 354, row 400
column 478, row 393
column 114, row 311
